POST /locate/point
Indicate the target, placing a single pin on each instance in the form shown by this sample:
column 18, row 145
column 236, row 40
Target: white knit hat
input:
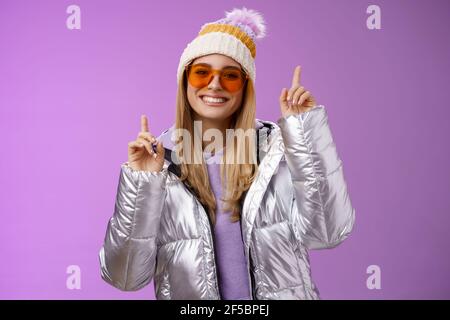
column 233, row 36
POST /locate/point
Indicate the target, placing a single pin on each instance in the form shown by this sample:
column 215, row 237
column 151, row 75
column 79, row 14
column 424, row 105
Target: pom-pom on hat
column 233, row 36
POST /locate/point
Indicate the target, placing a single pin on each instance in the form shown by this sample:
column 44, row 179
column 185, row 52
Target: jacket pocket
column 179, row 271
column 276, row 265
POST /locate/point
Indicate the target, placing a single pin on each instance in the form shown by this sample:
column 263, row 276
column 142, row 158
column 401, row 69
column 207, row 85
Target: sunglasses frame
column 186, row 69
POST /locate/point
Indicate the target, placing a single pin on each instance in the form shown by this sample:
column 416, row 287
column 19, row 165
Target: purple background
column 71, row 100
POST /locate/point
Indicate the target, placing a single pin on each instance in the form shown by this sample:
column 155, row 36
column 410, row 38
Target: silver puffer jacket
column 298, row 201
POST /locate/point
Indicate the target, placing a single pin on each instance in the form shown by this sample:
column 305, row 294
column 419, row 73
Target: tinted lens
column 231, row 79
column 199, row 75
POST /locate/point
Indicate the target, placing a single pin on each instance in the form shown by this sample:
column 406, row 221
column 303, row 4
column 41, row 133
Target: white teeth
column 213, row 100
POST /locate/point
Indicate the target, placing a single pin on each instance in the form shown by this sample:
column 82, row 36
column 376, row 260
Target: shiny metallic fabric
column 298, row 201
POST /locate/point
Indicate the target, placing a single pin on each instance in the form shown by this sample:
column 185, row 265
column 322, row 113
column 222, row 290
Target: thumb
column 283, row 98
column 283, row 95
column 160, row 149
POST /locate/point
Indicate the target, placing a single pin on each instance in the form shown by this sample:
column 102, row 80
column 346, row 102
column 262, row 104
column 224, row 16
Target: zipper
column 248, row 263
column 249, row 273
column 212, row 239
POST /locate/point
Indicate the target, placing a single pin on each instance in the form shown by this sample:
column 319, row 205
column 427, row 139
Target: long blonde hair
column 236, row 177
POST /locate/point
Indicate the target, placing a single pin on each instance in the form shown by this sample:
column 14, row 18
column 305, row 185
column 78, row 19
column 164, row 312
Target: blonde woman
column 203, row 225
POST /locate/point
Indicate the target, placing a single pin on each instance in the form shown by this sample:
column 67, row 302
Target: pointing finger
column 296, row 77
column 144, row 123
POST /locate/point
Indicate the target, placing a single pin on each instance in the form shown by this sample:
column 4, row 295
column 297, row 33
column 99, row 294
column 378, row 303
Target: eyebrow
column 207, row 64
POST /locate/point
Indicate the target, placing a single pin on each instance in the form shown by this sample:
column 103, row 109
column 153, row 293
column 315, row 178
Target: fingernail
column 154, row 155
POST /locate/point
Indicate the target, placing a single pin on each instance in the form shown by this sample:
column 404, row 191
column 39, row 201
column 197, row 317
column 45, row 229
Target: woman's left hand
column 297, row 99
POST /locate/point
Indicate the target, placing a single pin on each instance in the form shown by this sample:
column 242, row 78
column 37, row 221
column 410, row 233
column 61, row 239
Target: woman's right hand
column 140, row 152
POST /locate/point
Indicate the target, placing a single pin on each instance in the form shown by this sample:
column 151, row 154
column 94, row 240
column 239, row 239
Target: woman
column 205, row 226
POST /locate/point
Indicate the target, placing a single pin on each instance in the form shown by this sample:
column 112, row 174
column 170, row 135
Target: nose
column 215, row 82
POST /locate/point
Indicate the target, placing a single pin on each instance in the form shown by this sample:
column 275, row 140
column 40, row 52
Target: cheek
column 238, row 99
column 191, row 94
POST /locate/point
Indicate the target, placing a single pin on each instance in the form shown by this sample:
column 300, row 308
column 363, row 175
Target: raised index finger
column 144, row 123
column 296, row 77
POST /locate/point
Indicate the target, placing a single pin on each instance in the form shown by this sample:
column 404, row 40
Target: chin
column 214, row 114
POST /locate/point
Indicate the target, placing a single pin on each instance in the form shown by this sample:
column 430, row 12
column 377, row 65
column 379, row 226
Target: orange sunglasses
column 200, row 75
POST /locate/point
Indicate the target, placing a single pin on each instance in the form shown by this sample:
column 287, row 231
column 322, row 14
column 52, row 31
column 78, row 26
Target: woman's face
column 196, row 95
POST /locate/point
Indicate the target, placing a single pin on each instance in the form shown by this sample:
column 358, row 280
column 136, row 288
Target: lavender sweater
column 232, row 265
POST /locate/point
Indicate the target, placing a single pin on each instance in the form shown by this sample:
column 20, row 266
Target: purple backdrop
column 70, row 101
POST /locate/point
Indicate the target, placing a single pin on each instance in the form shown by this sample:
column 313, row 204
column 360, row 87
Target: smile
column 211, row 101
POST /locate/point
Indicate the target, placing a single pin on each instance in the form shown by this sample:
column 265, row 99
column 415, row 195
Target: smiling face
column 210, row 109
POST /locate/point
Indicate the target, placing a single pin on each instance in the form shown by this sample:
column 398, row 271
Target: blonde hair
column 236, row 178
